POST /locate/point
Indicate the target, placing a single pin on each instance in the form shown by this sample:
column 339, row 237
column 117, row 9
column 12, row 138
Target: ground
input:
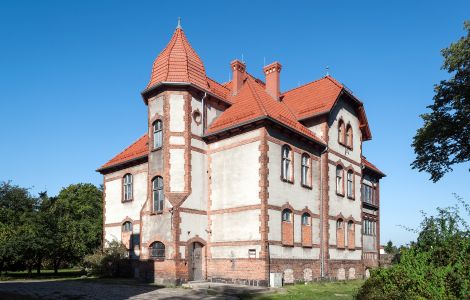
column 70, row 288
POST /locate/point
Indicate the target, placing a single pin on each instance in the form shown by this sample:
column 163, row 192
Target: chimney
column 238, row 74
column 273, row 72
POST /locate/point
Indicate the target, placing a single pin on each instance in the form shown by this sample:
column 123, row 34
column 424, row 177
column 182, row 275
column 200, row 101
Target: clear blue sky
column 71, row 73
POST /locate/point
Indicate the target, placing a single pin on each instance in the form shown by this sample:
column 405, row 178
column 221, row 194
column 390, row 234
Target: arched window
column 286, row 215
column 287, row 228
column 350, row 185
column 127, row 187
column 126, row 226
column 339, row 180
column 340, row 233
column 157, row 188
column 306, row 230
column 305, row 170
column 306, row 219
column 341, row 132
column 157, row 250
column 351, row 235
column 157, row 134
column 349, row 136
column 286, row 163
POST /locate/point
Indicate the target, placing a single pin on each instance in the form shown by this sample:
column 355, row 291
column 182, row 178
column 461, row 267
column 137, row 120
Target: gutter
column 180, row 84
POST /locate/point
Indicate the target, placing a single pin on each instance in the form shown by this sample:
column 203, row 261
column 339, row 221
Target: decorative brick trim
column 345, row 157
column 294, row 211
column 287, row 228
column 294, row 149
column 264, row 197
column 123, row 172
column 192, row 211
column 236, row 209
column 234, row 145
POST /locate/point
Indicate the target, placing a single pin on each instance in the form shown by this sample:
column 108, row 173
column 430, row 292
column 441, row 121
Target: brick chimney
column 273, row 72
column 238, row 74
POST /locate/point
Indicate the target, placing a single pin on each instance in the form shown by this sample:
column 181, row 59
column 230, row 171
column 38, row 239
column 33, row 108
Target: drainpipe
column 204, row 113
column 322, row 252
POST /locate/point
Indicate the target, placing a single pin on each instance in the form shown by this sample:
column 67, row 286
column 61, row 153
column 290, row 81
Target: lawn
column 45, row 274
column 317, row 290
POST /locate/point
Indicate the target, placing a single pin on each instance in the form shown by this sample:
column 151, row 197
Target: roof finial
column 327, row 70
column 179, row 24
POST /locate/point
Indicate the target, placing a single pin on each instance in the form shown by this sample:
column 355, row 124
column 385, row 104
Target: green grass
column 317, row 290
column 45, row 274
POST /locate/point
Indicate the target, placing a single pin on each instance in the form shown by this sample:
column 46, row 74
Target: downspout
column 322, row 252
column 204, row 114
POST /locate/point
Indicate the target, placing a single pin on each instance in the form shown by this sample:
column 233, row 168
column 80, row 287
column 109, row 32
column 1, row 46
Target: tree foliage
column 444, row 139
column 60, row 229
column 436, row 266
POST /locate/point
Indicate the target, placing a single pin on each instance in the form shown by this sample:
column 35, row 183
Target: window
column 306, row 219
column 286, row 163
column 127, row 187
column 340, row 233
column 341, row 131
column 157, row 250
column 339, row 180
column 369, row 227
column 368, row 195
column 157, row 188
column 126, row 226
column 349, row 136
column 351, row 235
column 286, row 215
column 305, row 170
column 157, row 134
column 350, row 185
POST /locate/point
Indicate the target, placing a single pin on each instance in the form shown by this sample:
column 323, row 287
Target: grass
column 317, row 290
column 45, row 274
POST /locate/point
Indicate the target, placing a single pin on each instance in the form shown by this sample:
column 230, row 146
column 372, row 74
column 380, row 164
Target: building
column 234, row 181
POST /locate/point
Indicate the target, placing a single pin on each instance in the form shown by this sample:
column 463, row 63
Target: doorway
column 195, row 264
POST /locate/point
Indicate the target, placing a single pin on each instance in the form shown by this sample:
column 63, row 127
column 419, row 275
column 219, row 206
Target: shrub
column 112, row 261
column 436, row 266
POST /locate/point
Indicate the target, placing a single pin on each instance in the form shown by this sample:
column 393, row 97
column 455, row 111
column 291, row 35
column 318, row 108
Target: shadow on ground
column 86, row 289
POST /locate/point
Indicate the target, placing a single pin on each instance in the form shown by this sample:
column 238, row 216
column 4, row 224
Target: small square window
column 251, row 253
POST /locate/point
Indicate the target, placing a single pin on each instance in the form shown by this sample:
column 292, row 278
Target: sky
column 71, row 73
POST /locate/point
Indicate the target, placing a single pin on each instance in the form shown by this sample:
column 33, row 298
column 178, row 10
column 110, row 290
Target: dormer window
column 157, row 134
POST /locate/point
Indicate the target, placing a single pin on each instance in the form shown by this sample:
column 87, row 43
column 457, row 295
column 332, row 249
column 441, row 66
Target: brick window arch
column 287, row 227
column 157, row 250
column 286, row 167
column 306, row 221
column 306, row 176
column 157, row 134
column 349, row 136
column 157, row 194
column 340, row 233
column 126, row 226
column 351, row 235
column 339, row 180
column 127, row 187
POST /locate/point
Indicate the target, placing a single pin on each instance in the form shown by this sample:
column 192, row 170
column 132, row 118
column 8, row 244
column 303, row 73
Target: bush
column 112, row 261
column 436, row 266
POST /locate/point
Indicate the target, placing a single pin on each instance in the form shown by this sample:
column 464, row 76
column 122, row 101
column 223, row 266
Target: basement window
column 251, row 253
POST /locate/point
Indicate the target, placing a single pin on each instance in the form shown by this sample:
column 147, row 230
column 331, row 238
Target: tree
column 78, row 226
column 444, row 139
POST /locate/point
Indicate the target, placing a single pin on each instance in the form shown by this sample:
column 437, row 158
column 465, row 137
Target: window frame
column 155, row 137
column 289, row 219
column 308, row 217
column 157, row 192
column 125, row 228
column 126, row 186
column 287, row 164
column 340, row 180
column 306, row 170
column 161, row 251
column 350, row 190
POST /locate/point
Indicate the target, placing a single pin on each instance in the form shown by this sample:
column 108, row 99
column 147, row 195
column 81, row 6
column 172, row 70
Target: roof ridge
column 170, row 48
column 185, row 52
column 336, row 82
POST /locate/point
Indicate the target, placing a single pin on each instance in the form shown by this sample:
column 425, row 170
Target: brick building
column 234, row 181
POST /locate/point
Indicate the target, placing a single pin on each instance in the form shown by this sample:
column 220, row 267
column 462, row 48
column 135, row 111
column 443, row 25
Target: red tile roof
column 138, row 149
column 178, row 62
column 253, row 102
column 218, row 89
column 313, row 98
column 371, row 166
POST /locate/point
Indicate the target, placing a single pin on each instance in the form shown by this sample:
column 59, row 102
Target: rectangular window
column 350, row 185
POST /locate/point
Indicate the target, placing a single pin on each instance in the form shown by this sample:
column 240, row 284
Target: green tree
column 444, row 139
column 78, row 223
